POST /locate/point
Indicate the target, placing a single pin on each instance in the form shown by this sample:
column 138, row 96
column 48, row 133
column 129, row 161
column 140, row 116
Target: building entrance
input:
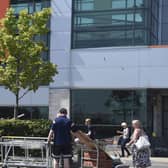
column 165, row 116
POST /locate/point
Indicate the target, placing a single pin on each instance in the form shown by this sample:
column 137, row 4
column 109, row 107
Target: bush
column 32, row 128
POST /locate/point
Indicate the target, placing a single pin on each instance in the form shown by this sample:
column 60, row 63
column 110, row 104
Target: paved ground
column 156, row 162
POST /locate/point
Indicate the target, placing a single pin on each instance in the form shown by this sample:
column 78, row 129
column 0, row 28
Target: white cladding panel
column 39, row 98
column 136, row 67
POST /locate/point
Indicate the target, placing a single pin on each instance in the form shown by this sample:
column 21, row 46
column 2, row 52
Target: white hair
column 136, row 122
column 123, row 124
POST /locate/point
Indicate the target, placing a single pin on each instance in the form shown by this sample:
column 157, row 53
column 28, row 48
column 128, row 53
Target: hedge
column 32, row 128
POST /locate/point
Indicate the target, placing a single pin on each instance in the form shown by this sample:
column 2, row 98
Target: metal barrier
column 25, row 152
column 103, row 149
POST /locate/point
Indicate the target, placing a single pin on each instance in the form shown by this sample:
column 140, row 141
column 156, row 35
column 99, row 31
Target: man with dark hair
column 61, row 132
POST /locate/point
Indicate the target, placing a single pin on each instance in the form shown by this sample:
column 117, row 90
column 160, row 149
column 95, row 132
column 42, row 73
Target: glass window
column 38, row 6
column 30, row 5
column 20, row 7
column 130, row 18
column 34, row 112
column 118, row 19
column 118, row 4
column 33, row 6
column 109, row 107
column 94, row 27
column 139, row 3
column 83, row 21
column 87, row 5
column 84, row 5
column 139, row 18
column 130, row 3
column 140, row 37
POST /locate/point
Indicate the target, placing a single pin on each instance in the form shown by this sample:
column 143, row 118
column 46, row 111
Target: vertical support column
column 160, row 23
column 58, row 98
column 157, row 123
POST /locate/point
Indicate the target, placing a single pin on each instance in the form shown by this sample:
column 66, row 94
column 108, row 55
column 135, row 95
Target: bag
column 142, row 142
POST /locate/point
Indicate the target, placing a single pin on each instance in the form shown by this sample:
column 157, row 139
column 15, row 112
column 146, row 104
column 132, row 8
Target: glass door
column 165, row 116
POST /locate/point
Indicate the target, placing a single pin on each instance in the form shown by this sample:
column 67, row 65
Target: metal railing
column 25, row 152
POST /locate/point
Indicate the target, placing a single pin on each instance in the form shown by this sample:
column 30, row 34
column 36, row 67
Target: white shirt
column 126, row 133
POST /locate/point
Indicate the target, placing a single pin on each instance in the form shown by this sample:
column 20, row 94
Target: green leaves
column 21, row 49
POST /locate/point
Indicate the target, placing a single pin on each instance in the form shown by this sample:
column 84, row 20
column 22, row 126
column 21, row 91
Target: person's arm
column 73, row 126
column 134, row 137
column 119, row 132
column 50, row 136
column 51, row 133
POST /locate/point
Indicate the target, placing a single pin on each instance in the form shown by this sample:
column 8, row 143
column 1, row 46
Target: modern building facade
column 112, row 62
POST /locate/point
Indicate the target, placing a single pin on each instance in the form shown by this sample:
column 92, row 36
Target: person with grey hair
column 124, row 138
column 141, row 157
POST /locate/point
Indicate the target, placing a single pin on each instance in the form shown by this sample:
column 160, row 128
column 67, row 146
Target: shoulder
column 137, row 131
column 55, row 120
column 67, row 120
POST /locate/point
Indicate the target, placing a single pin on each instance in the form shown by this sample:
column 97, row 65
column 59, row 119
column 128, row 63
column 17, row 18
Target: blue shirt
column 62, row 130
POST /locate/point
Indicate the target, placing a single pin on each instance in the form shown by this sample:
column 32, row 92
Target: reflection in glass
column 118, row 19
column 113, row 16
column 118, row 4
column 20, row 7
column 110, row 107
column 130, row 3
column 139, row 3
column 33, row 6
column 30, row 5
column 30, row 112
column 38, row 7
column 139, row 17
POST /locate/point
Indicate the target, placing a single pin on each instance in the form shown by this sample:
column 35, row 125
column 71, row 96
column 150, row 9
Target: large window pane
column 84, row 5
column 138, row 17
column 140, row 3
column 29, row 112
column 130, row 3
column 33, row 6
column 98, row 18
column 20, row 7
column 118, row 19
column 140, row 37
column 108, row 107
column 118, row 4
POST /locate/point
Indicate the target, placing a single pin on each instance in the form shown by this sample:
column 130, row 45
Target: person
column 141, row 158
column 61, row 132
column 90, row 129
column 124, row 138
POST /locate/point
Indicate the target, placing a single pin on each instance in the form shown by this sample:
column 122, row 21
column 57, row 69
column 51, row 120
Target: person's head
column 88, row 121
column 136, row 124
column 124, row 125
column 63, row 111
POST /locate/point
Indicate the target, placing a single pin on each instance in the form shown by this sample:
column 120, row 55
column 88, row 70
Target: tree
column 21, row 64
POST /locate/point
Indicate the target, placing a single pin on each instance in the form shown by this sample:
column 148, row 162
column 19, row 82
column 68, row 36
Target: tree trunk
column 16, row 109
column 17, row 92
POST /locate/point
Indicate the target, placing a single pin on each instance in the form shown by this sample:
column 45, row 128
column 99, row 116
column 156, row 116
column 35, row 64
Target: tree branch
column 24, row 94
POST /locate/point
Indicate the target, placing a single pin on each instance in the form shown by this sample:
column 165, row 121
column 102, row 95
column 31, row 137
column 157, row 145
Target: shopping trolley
column 25, row 152
column 105, row 154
